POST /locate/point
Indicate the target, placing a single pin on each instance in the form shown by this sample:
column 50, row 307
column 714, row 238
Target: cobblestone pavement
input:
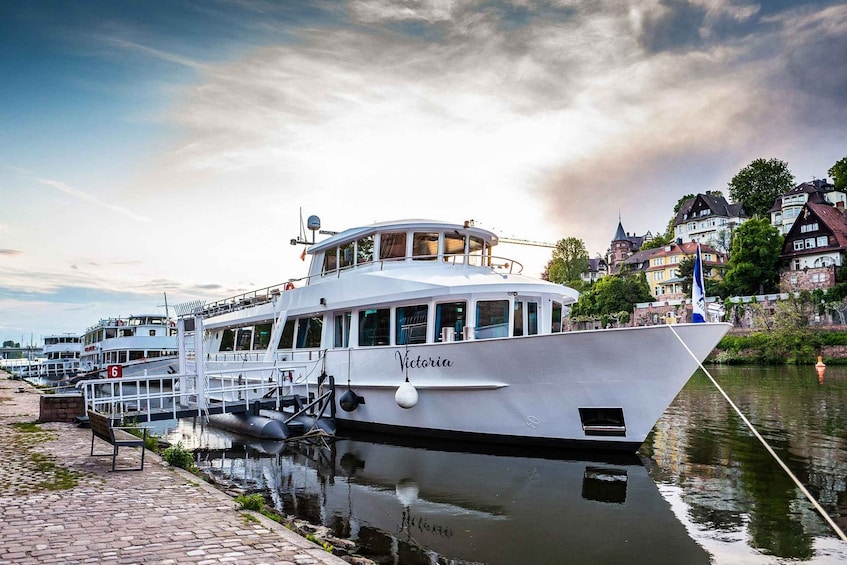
column 60, row 505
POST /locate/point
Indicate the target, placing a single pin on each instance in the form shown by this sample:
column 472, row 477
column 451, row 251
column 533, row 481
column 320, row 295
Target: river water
column 702, row 490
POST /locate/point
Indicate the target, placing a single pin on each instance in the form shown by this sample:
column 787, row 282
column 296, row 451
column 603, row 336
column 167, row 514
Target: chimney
column 840, row 205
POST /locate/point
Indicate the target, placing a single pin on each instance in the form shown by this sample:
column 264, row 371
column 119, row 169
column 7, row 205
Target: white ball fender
column 406, row 395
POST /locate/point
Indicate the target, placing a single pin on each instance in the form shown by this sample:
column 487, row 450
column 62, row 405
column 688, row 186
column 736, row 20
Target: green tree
column 753, row 263
column 658, row 241
column 9, row 343
column 612, row 295
column 838, row 172
column 757, row 185
column 569, row 260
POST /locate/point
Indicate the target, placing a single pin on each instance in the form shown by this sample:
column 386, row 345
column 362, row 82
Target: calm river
column 702, row 491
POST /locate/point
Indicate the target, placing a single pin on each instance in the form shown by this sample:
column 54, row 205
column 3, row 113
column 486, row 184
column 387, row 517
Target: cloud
column 9, row 252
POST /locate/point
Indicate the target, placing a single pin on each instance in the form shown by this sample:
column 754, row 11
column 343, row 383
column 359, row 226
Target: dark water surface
column 703, row 490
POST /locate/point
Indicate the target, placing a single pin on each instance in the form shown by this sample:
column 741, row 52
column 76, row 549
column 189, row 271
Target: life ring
column 172, row 324
column 120, row 322
column 289, row 286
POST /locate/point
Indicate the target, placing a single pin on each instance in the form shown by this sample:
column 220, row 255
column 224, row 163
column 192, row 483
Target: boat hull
column 541, row 389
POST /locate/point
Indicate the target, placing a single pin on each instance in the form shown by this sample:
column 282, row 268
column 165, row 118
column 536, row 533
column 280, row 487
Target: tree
column 753, row 263
column 569, row 260
column 658, row 241
column 611, row 295
column 757, row 185
column 838, row 172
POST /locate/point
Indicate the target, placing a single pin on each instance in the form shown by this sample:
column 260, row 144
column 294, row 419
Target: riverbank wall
column 780, row 346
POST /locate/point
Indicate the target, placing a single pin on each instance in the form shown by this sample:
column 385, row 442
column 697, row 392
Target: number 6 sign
column 114, row 371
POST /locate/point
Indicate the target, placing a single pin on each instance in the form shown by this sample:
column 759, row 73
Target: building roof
column 833, row 219
column 814, row 189
column 717, row 204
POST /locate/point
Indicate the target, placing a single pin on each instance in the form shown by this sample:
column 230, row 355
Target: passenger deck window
column 425, row 246
column 557, row 317
column 286, row 340
column 262, row 336
column 450, row 316
column 374, row 327
column 309, row 332
column 492, row 319
column 342, row 330
column 228, row 340
column 243, row 338
column 410, row 325
column 392, row 245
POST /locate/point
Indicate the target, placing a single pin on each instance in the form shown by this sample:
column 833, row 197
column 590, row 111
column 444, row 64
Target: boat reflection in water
column 419, row 505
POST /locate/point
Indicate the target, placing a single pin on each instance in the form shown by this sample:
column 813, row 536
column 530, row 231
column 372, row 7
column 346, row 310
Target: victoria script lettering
column 420, row 362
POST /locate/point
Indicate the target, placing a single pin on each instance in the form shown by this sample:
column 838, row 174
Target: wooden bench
column 117, row 437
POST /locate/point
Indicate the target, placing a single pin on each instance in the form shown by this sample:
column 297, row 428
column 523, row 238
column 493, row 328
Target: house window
column 659, row 276
column 810, row 242
column 823, row 241
column 798, row 244
column 809, row 227
column 796, row 266
column 659, row 261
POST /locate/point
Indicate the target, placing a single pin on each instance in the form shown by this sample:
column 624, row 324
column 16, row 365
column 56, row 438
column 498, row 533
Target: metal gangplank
column 173, row 396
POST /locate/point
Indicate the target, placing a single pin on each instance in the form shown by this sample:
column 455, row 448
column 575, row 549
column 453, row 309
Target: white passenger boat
column 427, row 332
column 136, row 344
column 61, row 356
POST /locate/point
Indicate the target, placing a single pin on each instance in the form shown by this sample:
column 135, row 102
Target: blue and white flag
column 698, row 291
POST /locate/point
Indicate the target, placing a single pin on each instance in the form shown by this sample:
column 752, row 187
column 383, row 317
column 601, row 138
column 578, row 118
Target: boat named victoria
column 429, row 333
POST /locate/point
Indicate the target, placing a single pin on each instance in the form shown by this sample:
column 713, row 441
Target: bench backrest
column 100, row 425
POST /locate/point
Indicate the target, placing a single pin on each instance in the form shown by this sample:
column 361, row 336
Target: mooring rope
column 770, row 450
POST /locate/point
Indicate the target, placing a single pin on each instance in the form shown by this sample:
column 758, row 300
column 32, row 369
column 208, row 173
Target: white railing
column 174, row 395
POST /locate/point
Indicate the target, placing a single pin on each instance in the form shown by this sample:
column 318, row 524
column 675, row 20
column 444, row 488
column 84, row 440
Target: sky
column 154, row 151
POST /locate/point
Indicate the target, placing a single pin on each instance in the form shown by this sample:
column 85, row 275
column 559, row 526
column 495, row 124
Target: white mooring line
column 785, row 468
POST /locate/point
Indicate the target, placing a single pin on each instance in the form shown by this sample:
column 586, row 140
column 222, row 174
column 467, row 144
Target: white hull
column 519, row 390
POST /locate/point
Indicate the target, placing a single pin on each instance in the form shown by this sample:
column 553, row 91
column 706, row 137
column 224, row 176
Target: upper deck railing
column 269, row 293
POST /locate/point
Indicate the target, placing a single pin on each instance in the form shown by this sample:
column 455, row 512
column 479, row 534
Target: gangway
column 173, row 396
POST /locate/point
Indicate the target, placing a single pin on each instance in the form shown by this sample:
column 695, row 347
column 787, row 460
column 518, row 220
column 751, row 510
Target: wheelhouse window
column 476, row 251
column 341, row 336
column 410, row 325
column 309, row 332
column 425, row 246
column 345, row 255
column 262, row 336
column 330, row 260
column 532, row 318
column 492, row 319
column 392, row 245
column 517, row 319
column 374, row 327
column 454, row 245
column 450, row 318
column 286, row 340
column 365, row 250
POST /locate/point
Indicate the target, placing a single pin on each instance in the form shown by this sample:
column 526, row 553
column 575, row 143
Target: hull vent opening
column 602, row 421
